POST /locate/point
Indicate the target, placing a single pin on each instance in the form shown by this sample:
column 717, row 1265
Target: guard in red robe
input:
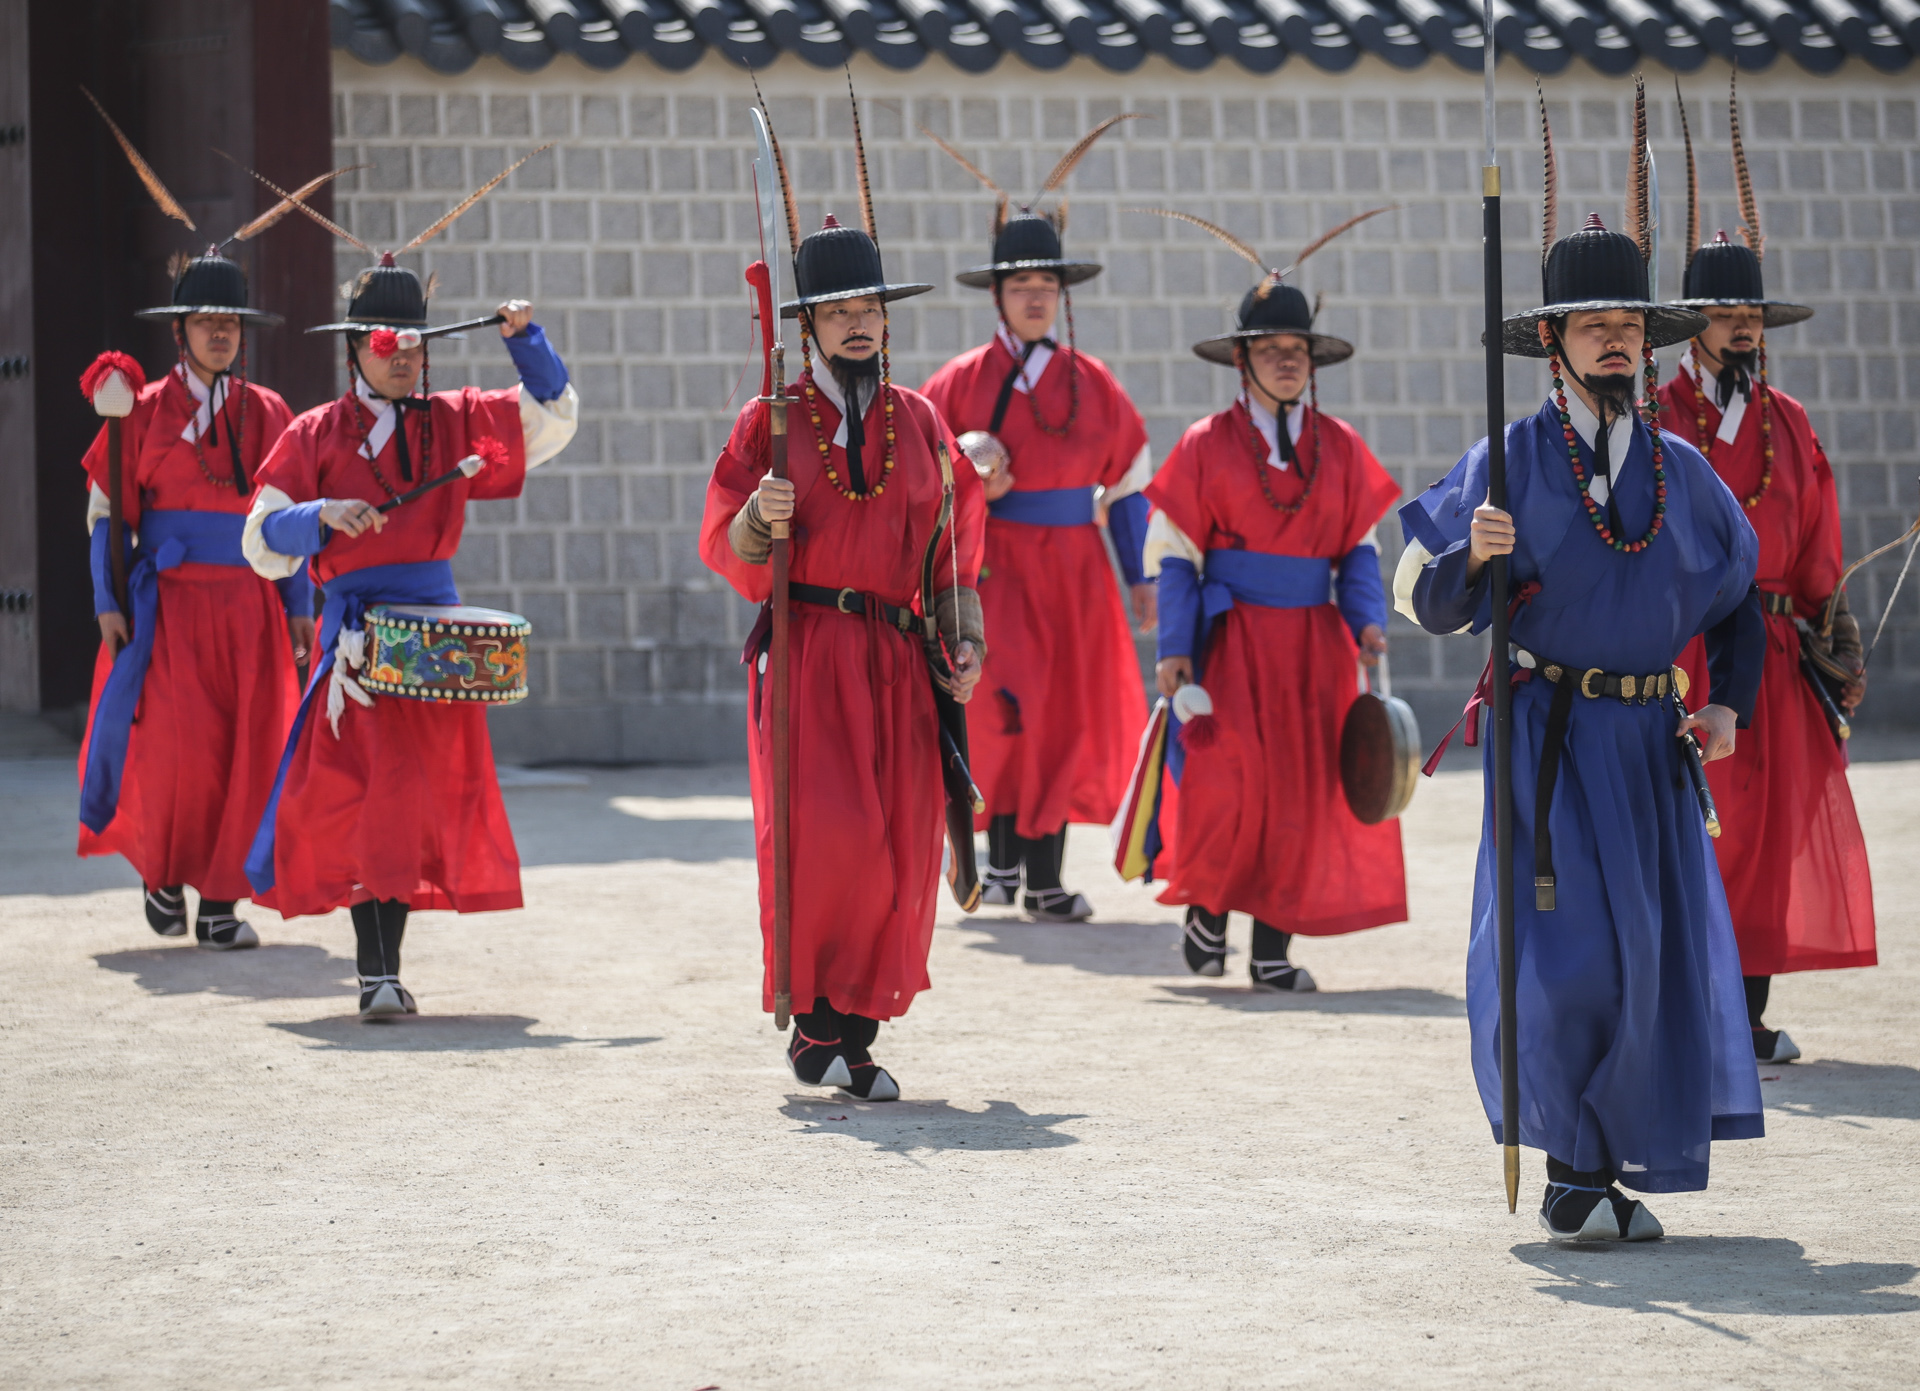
column 193, row 690
column 1054, row 741
column 386, row 804
column 863, row 496
column 1262, row 537
column 1790, row 848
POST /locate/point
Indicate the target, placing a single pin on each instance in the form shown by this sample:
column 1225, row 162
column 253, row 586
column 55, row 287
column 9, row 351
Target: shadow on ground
column 902, row 1127
column 1409, row 1001
column 1833, row 1089
column 1103, row 948
column 1693, row 1278
column 442, row 1033
column 273, row 971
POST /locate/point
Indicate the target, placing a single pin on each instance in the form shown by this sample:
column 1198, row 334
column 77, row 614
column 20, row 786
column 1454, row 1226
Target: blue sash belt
column 348, row 597
column 1271, row 581
column 1045, row 507
column 167, row 540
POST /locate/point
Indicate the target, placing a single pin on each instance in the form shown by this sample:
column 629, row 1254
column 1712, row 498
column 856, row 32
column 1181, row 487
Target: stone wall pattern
column 632, row 232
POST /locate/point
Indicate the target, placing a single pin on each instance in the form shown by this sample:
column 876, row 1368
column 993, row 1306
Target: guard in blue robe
column 1633, row 1042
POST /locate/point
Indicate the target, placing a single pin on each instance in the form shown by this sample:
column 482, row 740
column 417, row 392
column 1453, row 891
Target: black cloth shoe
column 1267, row 964
column 1572, row 1213
column 1205, row 942
column 1773, row 1046
column 1056, row 906
column 383, row 997
column 167, row 910
column 999, row 888
column 217, row 929
column 867, row 1080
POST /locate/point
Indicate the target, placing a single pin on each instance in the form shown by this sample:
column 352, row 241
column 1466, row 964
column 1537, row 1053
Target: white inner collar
column 1035, row 367
column 384, row 413
column 1268, row 424
column 1708, row 386
column 1619, row 440
column 210, row 399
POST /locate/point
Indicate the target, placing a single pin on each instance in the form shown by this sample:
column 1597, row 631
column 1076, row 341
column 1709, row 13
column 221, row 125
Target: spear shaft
column 1502, row 688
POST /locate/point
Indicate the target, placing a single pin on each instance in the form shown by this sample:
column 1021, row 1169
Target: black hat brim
column 369, row 325
column 887, row 293
column 1774, row 313
column 174, row 311
column 1070, row 272
column 1666, row 325
column 1324, row 349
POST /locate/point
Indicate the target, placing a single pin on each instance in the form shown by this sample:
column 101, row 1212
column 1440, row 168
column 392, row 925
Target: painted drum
column 446, row 652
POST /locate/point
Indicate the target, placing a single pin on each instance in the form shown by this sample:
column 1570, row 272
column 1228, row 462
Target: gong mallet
column 466, row 468
column 1502, row 688
column 113, row 384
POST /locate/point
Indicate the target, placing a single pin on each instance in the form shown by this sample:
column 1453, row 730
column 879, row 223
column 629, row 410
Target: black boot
column 1205, row 942
column 378, row 927
column 1000, row 885
column 1268, row 964
column 868, row 1080
column 1583, row 1205
column 815, row 1053
column 1769, row 1045
column 167, row 909
column 216, row 928
column 1045, row 900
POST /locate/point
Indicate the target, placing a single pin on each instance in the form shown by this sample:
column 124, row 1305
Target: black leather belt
column 1594, row 684
column 1778, row 604
column 854, row 602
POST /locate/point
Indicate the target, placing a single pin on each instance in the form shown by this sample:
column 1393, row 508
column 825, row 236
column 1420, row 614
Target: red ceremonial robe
column 1260, row 822
column 404, row 803
column 1790, row 849
column 1053, row 740
column 868, row 803
column 221, row 689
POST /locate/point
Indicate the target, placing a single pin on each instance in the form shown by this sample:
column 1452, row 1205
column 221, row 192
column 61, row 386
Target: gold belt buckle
column 1586, row 682
column 840, row 600
column 1681, row 682
column 1627, row 688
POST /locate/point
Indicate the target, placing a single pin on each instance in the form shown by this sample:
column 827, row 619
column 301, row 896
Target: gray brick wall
column 631, row 235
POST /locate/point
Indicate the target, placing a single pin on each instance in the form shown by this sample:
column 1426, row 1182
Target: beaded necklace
column 1761, row 394
column 1260, row 453
column 226, row 397
column 1594, row 514
column 820, row 440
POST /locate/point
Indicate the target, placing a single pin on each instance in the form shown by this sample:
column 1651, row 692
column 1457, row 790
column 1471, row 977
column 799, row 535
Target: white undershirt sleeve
column 547, row 427
column 1167, row 541
column 265, row 562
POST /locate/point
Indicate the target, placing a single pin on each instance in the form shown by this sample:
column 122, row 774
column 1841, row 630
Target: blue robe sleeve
column 1443, row 599
column 541, row 370
column 296, row 592
column 1358, row 590
column 1179, row 608
column 296, row 530
column 103, row 601
column 1127, row 526
column 1736, row 654
column 1441, row 521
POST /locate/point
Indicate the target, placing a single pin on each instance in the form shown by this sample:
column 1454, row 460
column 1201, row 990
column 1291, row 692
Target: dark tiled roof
column 1544, row 35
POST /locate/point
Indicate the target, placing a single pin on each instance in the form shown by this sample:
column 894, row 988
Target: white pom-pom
column 114, row 396
column 1190, row 702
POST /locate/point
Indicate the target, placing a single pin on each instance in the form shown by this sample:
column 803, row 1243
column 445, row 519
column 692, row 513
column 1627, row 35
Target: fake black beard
column 1614, row 388
column 1748, row 362
column 848, row 370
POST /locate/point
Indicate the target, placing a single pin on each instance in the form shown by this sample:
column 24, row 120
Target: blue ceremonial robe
column 1634, row 1046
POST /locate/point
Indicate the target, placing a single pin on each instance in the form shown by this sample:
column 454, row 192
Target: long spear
column 1502, row 688
column 765, row 277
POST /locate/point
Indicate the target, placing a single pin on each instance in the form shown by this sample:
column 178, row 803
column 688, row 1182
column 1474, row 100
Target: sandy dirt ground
column 585, row 1165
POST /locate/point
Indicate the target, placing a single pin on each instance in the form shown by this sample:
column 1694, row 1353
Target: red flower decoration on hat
column 383, row 341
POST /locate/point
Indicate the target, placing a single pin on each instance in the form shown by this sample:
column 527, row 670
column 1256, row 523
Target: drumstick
column 485, row 451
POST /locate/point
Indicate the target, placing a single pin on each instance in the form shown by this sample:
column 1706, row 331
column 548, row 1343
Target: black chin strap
column 1005, row 399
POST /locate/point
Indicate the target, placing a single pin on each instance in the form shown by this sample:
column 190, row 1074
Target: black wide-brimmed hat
column 839, row 262
column 1725, row 274
column 384, row 296
column 210, row 284
column 1271, row 307
column 1028, row 241
column 1595, row 269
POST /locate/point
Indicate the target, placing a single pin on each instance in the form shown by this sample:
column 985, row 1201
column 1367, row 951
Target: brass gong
column 1379, row 752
